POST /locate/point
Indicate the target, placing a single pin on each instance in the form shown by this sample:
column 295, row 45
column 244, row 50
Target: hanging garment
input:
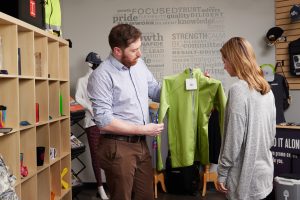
column 182, row 180
column 280, row 90
column 188, row 113
column 53, row 16
column 214, row 137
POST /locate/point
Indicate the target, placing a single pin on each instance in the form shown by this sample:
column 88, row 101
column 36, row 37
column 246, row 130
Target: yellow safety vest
column 53, row 16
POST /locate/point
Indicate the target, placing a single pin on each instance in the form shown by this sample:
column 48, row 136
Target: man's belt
column 126, row 138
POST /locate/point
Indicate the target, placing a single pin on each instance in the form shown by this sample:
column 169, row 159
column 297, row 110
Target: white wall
column 87, row 24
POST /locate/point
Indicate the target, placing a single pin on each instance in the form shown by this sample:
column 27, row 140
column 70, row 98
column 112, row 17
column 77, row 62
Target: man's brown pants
column 128, row 169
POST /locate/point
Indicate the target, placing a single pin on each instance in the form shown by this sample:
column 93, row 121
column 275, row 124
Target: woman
column 245, row 169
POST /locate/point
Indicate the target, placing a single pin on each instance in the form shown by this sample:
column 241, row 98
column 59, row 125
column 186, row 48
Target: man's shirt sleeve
column 100, row 94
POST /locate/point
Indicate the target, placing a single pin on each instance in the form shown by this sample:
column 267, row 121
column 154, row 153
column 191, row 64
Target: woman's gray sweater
column 246, row 163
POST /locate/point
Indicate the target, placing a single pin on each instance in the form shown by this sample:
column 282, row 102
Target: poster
column 176, row 34
column 178, row 37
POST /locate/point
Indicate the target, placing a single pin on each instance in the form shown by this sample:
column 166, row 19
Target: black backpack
column 182, row 180
column 294, row 53
column 283, row 83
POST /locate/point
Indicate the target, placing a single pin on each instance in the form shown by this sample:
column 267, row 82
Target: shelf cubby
column 10, row 151
column 66, row 163
column 29, row 189
column 27, row 105
column 54, row 99
column 64, row 104
column 26, row 53
column 55, row 139
column 28, row 148
column 65, row 139
column 9, row 41
column 53, row 62
column 55, row 179
column 41, row 56
column 63, row 62
column 43, row 140
column 43, row 185
column 9, row 98
column 42, row 101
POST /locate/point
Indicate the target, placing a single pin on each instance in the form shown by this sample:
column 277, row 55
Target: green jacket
column 188, row 112
column 53, row 15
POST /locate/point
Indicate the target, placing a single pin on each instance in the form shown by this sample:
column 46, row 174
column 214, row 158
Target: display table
column 286, row 150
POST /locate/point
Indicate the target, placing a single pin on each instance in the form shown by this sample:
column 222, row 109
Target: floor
column 90, row 194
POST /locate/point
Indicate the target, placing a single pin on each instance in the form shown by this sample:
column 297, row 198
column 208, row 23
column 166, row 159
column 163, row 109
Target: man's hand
column 153, row 129
column 221, row 187
column 207, row 74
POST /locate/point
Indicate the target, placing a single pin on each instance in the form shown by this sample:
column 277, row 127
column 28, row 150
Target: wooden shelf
column 35, row 83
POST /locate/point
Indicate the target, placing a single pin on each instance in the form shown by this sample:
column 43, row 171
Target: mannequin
column 93, row 133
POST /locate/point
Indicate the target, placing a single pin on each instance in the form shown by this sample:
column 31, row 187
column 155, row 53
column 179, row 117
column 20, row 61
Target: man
column 119, row 89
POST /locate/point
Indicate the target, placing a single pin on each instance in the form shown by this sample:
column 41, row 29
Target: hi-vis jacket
column 53, row 15
column 188, row 114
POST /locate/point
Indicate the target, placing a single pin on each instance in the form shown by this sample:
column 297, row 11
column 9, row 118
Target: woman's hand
column 221, row 187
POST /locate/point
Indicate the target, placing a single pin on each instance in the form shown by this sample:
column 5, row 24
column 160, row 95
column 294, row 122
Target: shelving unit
column 37, row 82
column 76, row 152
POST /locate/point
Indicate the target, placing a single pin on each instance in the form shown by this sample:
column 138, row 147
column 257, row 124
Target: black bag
column 280, row 81
column 287, row 98
column 294, row 53
column 182, row 180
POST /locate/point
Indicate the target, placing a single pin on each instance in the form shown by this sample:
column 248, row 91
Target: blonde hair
column 240, row 55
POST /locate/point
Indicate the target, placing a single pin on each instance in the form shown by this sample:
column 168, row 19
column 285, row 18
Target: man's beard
column 128, row 63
